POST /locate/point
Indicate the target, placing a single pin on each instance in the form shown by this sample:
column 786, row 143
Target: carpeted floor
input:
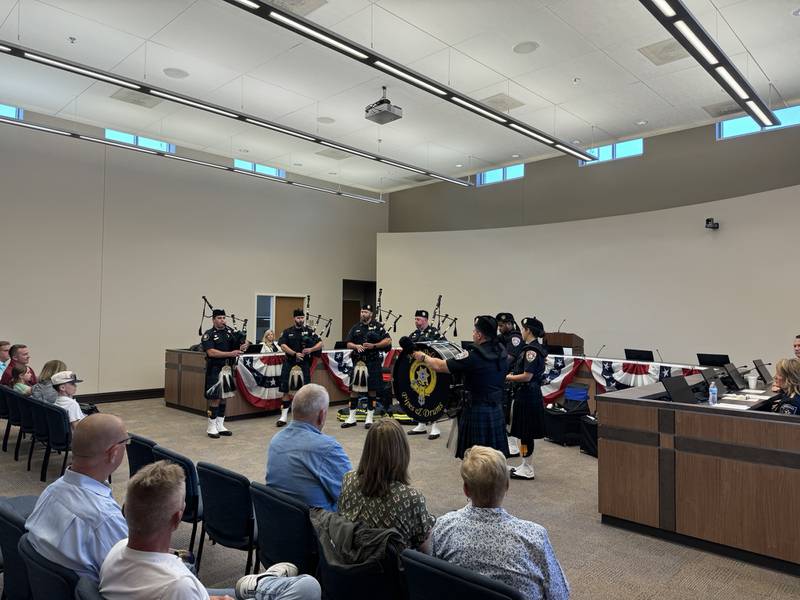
column 599, row 561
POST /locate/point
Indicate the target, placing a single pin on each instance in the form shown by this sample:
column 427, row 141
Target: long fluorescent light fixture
column 143, row 88
column 370, row 58
column 684, row 27
column 95, row 140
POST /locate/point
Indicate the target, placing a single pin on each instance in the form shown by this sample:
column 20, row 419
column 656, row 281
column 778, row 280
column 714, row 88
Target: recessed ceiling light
column 526, row 47
column 326, row 120
column 459, row 166
column 175, row 73
column 72, row 39
column 641, row 123
column 576, row 81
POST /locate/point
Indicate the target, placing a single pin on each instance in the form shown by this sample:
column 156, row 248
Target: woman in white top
column 268, row 342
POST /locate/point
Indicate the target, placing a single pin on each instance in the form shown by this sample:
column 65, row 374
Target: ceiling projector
column 383, row 111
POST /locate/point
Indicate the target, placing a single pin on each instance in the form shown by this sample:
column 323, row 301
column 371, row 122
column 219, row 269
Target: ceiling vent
column 722, row 109
column 502, row 102
column 136, row 98
column 300, row 7
column 334, row 154
column 664, row 52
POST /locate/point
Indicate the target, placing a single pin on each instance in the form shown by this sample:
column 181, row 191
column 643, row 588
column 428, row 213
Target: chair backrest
column 227, row 508
column 140, row 453
column 285, row 532
column 48, row 580
column 58, row 430
column 40, row 428
column 25, row 412
column 192, row 482
column 3, row 403
column 12, row 400
column 87, row 589
column 15, row 576
column 430, row 578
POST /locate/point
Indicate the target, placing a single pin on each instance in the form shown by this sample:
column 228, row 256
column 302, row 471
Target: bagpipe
column 444, row 322
column 385, row 315
column 314, row 321
column 241, row 334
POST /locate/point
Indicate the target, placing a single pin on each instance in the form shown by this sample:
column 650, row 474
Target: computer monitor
column 254, row 349
column 709, row 374
column 551, row 349
column 643, row 355
column 712, row 360
column 736, row 377
column 678, row 390
column 340, row 345
column 763, row 371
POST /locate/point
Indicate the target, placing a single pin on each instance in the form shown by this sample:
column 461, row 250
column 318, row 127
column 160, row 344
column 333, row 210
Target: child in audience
column 21, row 376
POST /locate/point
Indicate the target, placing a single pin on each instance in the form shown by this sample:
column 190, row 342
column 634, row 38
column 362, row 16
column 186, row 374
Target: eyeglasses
column 126, row 441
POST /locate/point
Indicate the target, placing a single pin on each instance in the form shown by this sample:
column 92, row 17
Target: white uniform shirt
column 72, row 407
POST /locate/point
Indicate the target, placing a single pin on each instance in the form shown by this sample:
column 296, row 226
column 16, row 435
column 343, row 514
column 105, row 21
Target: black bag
column 562, row 423
column 589, row 435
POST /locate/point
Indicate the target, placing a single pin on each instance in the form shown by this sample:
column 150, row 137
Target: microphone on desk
column 661, row 358
column 597, row 354
column 559, row 327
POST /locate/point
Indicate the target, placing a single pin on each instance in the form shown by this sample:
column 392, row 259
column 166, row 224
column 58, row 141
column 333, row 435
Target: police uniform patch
column 205, row 337
column 515, row 341
column 530, row 355
column 462, row 355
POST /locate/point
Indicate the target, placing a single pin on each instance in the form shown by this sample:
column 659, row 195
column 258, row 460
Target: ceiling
column 586, row 81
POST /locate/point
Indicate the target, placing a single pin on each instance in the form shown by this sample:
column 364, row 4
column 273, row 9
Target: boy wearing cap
column 298, row 343
column 425, row 332
column 366, row 339
column 65, row 383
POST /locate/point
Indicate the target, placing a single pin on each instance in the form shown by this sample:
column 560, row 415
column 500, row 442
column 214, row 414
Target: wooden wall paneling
column 628, row 481
column 760, row 433
column 627, row 416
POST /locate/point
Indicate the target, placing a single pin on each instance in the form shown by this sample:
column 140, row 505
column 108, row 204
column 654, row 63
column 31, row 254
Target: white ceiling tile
column 196, row 128
column 257, row 98
column 37, row 87
column 336, row 11
column 457, row 70
column 763, row 23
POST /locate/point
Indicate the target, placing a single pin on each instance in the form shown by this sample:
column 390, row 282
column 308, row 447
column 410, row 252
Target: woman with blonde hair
column 43, row 390
column 268, row 343
column 378, row 492
column 787, row 379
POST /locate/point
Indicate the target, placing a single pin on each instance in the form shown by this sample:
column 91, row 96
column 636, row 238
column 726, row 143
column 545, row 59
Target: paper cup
column 752, row 381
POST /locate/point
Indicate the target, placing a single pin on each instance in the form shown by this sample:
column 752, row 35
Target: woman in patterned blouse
column 378, row 494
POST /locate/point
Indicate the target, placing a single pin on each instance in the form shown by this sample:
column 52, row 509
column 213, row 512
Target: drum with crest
column 423, row 394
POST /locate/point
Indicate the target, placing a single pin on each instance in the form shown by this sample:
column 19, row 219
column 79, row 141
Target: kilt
column 286, row 369
column 482, row 424
column 527, row 414
column 212, row 378
column 374, row 374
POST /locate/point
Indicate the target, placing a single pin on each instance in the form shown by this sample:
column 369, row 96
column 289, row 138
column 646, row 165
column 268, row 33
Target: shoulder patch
column 462, row 355
column 515, row 341
column 530, row 355
column 205, row 337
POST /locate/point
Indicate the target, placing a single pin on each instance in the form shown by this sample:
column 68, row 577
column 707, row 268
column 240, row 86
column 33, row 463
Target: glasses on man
column 126, row 441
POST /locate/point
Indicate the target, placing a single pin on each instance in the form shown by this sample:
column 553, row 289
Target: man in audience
column 484, row 538
column 304, row 462
column 65, row 383
column 76, row 521
column 20, row 355
column 141, row 567
column 5, row 347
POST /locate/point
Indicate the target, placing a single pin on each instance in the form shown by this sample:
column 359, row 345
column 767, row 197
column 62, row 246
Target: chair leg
column 30, row 451
column 64, row 463
column 249, row 559
column 5, row 436
column 258, row 562
column 45, row 462
column 16, row 448
column 194, row 533
column 199, row 548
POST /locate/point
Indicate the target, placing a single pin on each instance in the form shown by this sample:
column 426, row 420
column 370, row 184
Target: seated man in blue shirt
column 76, row 520
column 304, row 462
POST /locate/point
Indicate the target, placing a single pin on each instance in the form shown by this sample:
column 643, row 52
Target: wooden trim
column 627, row 416
column 666, row 489
column 751, row 454
column 735, row 553
column 665, row 440
column 666, row 420
column 123, row 396
column 740, row 431
column 631, row 436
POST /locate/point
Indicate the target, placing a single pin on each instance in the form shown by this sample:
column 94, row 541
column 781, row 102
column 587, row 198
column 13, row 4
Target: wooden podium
column 566, row 340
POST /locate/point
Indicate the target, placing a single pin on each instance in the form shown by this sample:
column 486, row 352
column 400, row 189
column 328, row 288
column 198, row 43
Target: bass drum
column 423, row 394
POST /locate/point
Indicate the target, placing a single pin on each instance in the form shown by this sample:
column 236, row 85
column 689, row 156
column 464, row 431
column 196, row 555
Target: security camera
column 711, row 223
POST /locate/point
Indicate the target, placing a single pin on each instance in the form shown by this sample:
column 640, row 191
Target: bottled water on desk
column 712, row 394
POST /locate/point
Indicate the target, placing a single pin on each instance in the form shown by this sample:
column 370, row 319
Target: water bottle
column 712, row 394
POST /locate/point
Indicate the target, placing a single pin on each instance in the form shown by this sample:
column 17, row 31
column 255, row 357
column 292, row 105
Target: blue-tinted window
column 614, row 151
column 154, row 144
column 10, row 112
column 746, row 125
column 272, row 171
column 135, row 140
column 121, row 136
column 244, row 165
column 503, row 174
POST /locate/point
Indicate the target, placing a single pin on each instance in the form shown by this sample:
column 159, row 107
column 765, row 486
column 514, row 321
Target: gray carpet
column 599, row 561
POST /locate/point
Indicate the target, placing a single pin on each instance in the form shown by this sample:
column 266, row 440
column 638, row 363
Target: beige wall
column 107, row 252
column 677, row 169
column 647, row 280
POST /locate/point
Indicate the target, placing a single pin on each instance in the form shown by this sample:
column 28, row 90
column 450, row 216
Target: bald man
column 76, row 521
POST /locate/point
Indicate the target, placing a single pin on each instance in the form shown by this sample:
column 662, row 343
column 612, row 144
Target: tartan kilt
column 212, row 378
column 482, row 424
column 374, row 374
column 527, row 415
column 286, row 368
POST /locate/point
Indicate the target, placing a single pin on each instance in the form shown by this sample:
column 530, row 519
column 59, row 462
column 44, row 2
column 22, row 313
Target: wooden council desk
column 184, row 382
column 723, row 479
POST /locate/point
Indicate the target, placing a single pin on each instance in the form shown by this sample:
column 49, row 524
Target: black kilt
column 287, row 367
column 374, row 374
column 527, row 414
column 212, row 378
column 482, row 424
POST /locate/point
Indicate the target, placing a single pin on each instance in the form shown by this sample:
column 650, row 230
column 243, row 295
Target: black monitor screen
column 712, row 360
column 709, row 374
column 644, row 355
column 763, row 371
column 678, row 390
column 340, row 345
column 555, row 349
column 735, row 376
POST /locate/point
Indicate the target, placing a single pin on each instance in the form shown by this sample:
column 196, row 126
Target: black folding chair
column 286, row 532
column 3, row 404
column 13, row 512
column 59, row 437
column 430, row 578
column 49, row 581
column 140, row 453
column 26, row 420
column 41, row 433
column 13, row 414
column 193, row 513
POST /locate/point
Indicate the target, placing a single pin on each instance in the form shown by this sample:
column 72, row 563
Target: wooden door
column 351, row 313
column 284, row 307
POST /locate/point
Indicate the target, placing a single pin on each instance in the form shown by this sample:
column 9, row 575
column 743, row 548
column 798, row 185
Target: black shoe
column 226, row 433
column 213, row 436
column 280, row 423
column 433, row 436
column 345, row 425
column 367, row 425
column 414, row 432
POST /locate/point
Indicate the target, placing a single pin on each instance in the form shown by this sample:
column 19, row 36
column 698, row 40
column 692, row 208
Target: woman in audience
column 268, row 342
column 21, row 378
column 44, row 389
column 378, row 494
column 787, row 379
column 485, row 539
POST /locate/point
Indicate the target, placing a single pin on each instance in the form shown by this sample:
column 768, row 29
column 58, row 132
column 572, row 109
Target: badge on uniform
column 205, row 337
column 515, row 341
column 530, row 355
